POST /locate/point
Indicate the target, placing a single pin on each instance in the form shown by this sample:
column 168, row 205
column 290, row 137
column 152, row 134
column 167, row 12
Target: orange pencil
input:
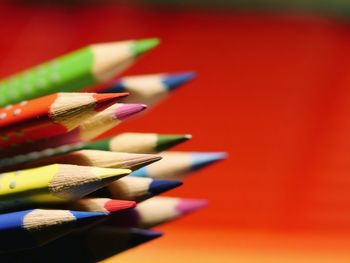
column 85, row 132
column 50, row 115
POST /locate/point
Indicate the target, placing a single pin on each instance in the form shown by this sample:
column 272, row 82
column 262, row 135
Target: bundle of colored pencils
column 66, row 195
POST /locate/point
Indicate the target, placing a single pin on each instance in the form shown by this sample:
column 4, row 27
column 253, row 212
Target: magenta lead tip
column 155, row 211
column 186, row 206
column 127, row 110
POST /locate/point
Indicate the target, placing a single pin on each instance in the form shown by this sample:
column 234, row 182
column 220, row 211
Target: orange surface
column 227, row 246
column 280, row 108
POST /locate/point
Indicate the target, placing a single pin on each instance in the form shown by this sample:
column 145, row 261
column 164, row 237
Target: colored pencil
column 50, row 115
column 73, row 71
column 54, row 183
column 96, row 158
column 138, row 142
column 135, row 188
column 149, row 89
column 102, row 205
column 87, row 131
column 108, row 119
column 100, row 123
column 124, row 142
column 35, row 227
column 93, row 245
column 155, row 211
column 178, row 164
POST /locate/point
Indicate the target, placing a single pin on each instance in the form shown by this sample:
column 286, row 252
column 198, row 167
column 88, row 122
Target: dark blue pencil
column 32, row 228
column 92, row 245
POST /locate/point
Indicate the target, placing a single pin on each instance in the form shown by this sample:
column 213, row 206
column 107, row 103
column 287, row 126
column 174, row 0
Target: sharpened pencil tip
column 186, row 206
column 116, row 87
column 141, row 46
column 160, row 186
column 172, row 81
column 109, row 172
column 118, row 205
column 100, row 97
column 105, row 100
column 141, row 160
column 200, row 160
column 139, row 236
column 127, row 110
column 79, row 215
column 142, row 172
column 166, row 141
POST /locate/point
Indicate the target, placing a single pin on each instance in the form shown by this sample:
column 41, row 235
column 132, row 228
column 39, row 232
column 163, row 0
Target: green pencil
column 138, row 142
column 73, row 71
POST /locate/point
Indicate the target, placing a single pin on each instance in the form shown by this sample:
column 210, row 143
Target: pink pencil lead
column 186, row 206
column 127, row 110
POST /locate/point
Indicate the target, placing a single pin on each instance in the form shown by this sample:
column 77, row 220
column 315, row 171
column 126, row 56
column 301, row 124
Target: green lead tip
column 166, row 141
column 102, row 145
column 141, row 46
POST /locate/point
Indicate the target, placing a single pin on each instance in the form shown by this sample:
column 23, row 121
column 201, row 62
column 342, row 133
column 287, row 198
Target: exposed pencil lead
column 172, row 81
column 203, row 159
column 141, row 46
column 140, row 236
column 127, row 110
column 166, row 141
column 186, row 206
column 160, row 186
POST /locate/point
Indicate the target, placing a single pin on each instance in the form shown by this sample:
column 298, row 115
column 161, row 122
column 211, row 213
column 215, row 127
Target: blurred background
column 273, row 90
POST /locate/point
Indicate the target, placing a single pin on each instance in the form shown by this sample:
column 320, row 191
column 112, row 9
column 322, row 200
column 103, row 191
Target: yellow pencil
column 55, row 183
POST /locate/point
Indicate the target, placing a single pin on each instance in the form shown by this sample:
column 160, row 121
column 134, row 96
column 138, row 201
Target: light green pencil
column 74, row 71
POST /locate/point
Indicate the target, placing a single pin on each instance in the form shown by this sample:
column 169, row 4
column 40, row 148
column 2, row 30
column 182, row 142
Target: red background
column 272, row 90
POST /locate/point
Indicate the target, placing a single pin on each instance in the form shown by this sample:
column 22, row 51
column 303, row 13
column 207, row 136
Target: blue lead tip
column 200, row 160
column 115, row 87
column 172, row 81
column 142, row 172
column 160, row 186
column 139, row 236
column 87, row 215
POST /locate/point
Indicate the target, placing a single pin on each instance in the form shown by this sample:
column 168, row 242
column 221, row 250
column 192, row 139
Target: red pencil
column 50, row 115
column 103, row 205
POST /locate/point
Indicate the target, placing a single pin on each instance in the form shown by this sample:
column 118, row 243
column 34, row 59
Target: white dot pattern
column 3, row 115
column 17, row 112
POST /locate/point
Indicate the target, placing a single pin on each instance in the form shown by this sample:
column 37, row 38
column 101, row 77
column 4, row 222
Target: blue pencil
column 92, row 245
column 135, row 188
column 150, row 89
column 176, row 165
column 35, row 227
